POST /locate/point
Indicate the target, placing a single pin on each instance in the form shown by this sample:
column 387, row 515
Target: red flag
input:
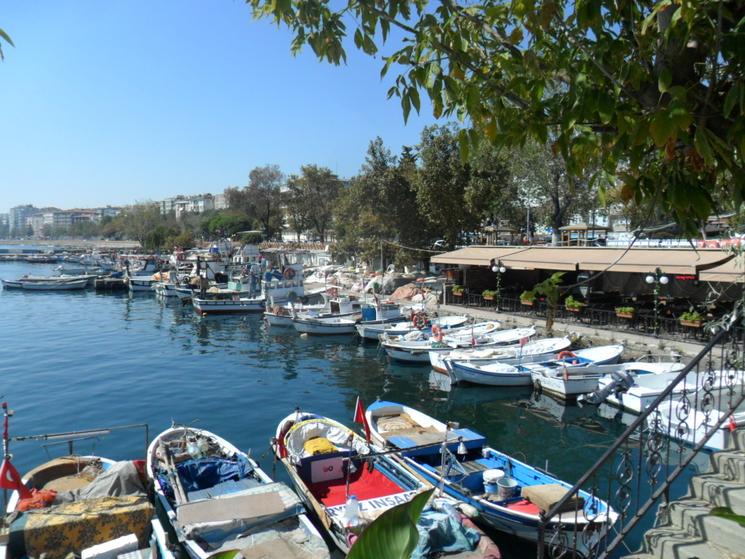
column 523, row 341
column 732, row 424
column 359, row 417
column 11, row 479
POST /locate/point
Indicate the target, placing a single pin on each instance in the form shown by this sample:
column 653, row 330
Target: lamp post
column 498, row 268
column 657, row 279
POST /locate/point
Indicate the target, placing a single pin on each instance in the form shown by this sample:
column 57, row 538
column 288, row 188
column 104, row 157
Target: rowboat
column 348, row 483
column 326, row 326
column 521, row 374
column 369, row 331
column 581, row 380
column 508, row 494
column 537, row 350
column 218, row 499
column 417, row 351
column 54, row 285
column 236, row 305
column 80, row 503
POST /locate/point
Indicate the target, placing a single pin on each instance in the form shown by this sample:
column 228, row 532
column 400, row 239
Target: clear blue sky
column 117, row 101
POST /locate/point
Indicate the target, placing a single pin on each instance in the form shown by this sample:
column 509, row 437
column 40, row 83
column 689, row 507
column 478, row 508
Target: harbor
column 114, row 358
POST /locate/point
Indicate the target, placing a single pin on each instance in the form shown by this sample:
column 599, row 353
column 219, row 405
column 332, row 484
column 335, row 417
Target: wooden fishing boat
column 572, row 381
column 533, row 351
column 520, row 374
column 326, row 326
column 236, row 305
column 54, row 285
column 218, row 499
column 348, row 483
column 77, row 503
column 482, row 335
column 370, row 331
column 509, row 494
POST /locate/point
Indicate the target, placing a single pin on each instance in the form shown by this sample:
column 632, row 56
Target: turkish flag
column 732, row 424
column 11, row 479
column 523, row 341
column 359, row 417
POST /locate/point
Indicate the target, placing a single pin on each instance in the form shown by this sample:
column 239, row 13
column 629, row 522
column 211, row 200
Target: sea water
column 83, row 360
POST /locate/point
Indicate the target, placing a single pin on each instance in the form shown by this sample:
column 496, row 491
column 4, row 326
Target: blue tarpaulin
column 443, row 532
column 203, row 473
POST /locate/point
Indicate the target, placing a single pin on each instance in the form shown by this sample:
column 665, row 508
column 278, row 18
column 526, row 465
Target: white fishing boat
column 636, row 396
column 338, row 307
column 502, row 374
column 370, row 331
column 277, row 315
column 233, row 305
column 690, row 424
column 483, row 335
column 326, row 326
column 510, row 495
column 530, row 352
column 80, row 504
column 54, row 285
column 584, row 380
column 218, row 499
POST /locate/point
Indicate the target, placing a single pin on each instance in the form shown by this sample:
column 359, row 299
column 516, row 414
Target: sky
column 118, row 101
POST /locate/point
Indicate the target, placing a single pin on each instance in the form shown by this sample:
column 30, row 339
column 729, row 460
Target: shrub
column 572, row 303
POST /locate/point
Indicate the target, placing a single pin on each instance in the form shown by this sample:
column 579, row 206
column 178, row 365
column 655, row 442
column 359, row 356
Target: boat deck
column 364, row 484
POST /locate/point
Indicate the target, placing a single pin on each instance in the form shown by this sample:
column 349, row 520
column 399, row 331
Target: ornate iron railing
column 637, row 472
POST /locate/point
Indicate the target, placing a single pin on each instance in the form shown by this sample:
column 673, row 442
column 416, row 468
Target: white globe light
column 649, row 279
column 494, row 269
column 664, row 280
column 502, row 269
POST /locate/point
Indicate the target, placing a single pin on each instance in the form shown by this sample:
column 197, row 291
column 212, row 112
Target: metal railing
column 641, row 322
column 637, row 472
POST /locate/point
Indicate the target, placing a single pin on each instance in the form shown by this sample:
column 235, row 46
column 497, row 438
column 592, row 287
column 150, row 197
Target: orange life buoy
column 289, row 273
column 564, row 354
column 437, row 333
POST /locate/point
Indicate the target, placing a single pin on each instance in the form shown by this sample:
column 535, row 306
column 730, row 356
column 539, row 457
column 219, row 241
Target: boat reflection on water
column 473, row 394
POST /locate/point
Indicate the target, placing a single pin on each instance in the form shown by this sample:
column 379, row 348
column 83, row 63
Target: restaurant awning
column 731, row 271
column 592, row 259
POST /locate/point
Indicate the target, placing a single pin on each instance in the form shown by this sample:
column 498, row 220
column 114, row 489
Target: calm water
column 82, row 360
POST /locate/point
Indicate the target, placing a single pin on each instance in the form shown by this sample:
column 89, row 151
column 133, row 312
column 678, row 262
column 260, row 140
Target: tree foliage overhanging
column 648, row 93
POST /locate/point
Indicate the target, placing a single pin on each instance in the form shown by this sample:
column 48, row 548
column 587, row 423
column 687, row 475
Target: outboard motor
column 622, row 381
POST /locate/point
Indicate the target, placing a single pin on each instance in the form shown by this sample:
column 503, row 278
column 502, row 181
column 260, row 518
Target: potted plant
column 458, row 290
column 692, row 319
column 527, row 298
column 573, row 305
column 489, row 294
column 625, row 312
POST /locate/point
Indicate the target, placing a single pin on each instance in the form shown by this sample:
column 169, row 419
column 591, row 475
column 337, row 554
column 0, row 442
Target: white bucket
column 491, row 477
column 507, row 487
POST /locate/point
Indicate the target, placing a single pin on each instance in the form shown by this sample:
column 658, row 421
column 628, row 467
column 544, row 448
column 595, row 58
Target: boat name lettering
column 375, row 504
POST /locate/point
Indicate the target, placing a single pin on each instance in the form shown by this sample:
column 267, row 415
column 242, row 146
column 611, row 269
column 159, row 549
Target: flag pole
column 6, row 453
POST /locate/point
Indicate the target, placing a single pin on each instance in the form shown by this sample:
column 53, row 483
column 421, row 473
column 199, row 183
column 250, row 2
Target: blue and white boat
column 502, row 374
column 509, row 494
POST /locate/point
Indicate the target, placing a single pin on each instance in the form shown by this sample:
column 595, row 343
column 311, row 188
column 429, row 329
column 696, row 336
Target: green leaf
column 605, row 108
column 661, row 128
column 414, row 94
column 732, row 97
column 664, row 80
column 702, row 146
column 393, row 534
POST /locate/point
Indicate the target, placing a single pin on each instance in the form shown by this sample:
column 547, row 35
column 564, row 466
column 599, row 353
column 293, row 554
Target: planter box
column 526, row 303
column 488, row 297
column 692, row 323
column 625, row 315
column 576, row 310
column 459, row 294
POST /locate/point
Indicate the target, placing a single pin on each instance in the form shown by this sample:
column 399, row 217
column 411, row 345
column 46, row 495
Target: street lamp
column 658, row 278
column 498, row 268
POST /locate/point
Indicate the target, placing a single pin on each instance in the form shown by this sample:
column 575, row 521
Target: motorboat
column 331, row 325
column 532, row 351
column 510, row 495
column 218, row 499
column 576, row 381
column 521, row 374
column 233, row 305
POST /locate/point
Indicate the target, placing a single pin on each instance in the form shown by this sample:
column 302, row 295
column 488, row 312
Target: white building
column 17, row 220
column 187, row 204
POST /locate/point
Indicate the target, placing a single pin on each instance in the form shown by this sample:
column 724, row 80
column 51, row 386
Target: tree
column 266, row 198
column 317, row 190
column 441, row 184
column 4, row 37
column 225, row 224
column 649, row 93
column 297, row 211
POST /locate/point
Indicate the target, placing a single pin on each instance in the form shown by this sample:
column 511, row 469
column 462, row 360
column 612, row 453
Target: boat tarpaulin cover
column 121, row 478
column 203, row 473
column 70, row 527
column 442, row 532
